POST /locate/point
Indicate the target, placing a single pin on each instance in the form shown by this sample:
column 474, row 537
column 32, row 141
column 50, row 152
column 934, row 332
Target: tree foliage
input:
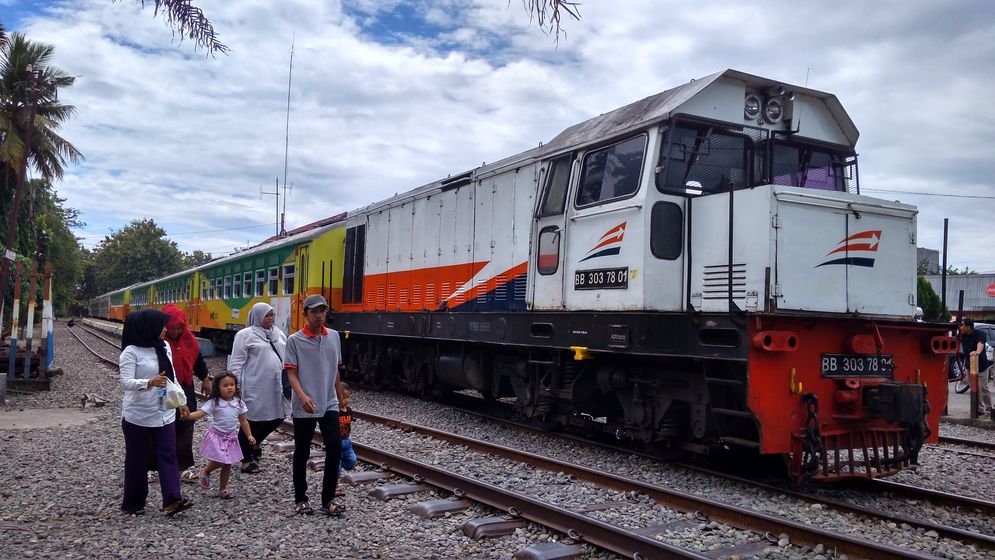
column 189, row 22
column 138, row 252
column 196, row 258
column 929, row 301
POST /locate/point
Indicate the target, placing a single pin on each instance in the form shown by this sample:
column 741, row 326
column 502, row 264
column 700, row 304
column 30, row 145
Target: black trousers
column 260, row 430
column 303, row 432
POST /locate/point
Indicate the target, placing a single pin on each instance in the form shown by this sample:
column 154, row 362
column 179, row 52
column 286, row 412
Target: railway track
column 969, row 443
column 875, row 486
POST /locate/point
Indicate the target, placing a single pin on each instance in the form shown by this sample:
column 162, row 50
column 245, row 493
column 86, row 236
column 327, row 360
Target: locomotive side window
column 247, row 284
column 548, row 260
column 807, row 166
column 227, row 287
column 554, row 196
column 666, row 230
column 703, row 160
column 219, row 287
column 612, row 172
column 236, row 286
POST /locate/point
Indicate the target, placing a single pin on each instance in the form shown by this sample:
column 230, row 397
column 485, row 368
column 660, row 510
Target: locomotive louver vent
column 716, row 281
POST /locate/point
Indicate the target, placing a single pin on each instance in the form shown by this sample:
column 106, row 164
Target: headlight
column 752, row 106
column 773, row 111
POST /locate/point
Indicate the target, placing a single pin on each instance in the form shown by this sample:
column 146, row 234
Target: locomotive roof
column 661, row 106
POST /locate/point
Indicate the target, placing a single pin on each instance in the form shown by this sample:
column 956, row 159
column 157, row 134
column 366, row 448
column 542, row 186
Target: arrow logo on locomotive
column 609, row 244
column 864, row 241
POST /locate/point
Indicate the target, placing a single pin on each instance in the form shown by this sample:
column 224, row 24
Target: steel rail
column 98, row 334
column 734, row 516
column 952, row 500
column 575, row 525
column 92, row 351
column 986, row 445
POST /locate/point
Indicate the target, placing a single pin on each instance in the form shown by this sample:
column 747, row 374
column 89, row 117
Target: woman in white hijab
column 257, row 362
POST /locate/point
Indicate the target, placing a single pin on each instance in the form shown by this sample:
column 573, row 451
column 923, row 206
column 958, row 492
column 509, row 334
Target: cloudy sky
column 388, row 95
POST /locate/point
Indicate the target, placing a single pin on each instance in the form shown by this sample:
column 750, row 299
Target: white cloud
column 389, row 95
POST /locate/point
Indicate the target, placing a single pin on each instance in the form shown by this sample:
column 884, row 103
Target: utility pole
column 18, row 193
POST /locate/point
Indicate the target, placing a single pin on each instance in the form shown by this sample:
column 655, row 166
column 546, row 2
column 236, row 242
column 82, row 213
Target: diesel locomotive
column 697, row 269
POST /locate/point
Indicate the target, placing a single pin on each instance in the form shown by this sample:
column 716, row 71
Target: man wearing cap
column 312, row 361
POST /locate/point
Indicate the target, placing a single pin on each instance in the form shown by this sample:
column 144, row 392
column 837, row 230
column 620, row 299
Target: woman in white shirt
column 144, row 367
column 257, row 362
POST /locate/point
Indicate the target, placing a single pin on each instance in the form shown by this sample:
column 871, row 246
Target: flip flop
column 178, row 506
column 334, row 510
column 224, row 494
column 204, row 480
column 303, row 509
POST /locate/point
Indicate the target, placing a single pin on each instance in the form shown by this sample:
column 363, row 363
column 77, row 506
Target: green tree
column 196, row 258
column 929, row 301
column 138, row 252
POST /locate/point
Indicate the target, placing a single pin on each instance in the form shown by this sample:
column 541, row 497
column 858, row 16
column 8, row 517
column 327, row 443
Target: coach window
column 236, row 286
column 219, row 285
column 260, row 282
column 555, row 194
column 288, row 279
column 274, row 280
column 549, row 251
column 247, row 284
column 666, row 230
column 205, row 290
column 611, row 173
column 227, row 287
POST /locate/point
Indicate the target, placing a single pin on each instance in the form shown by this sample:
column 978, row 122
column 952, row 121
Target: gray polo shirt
column 317, row 360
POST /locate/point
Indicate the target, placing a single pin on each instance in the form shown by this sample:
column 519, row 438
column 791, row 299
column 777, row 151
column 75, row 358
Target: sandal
column 250, row 468
column 334, row 509
column 189, row 475
column 303, row 509
column 178, row 506
column 204, row 480
column 153, row 476
column 224, row 494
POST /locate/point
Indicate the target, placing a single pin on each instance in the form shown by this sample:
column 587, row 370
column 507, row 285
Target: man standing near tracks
column 312, row 361
column 973, row 342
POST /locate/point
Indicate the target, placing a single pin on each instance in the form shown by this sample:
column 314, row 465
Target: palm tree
column 19, row 90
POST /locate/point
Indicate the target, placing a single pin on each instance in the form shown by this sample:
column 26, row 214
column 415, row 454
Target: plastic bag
column 175, row 395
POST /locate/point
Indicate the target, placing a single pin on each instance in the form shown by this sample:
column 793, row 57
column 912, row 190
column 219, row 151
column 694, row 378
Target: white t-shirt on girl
column 224, row 416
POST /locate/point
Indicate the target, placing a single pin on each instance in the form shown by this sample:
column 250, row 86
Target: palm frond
column 548, row 14
column 189, row 21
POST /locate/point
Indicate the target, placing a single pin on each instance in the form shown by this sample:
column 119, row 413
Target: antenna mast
column 277, row 193
column 286, row 145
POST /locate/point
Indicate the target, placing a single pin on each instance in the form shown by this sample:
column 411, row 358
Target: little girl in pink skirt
column 226, row 409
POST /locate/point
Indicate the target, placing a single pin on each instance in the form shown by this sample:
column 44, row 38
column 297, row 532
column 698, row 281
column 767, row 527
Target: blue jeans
column 348, row 460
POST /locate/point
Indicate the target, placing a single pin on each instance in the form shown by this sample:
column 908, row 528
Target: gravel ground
column 63, row 501
column 61, row 512
column 430, row 414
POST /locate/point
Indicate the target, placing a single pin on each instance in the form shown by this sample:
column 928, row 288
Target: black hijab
column 142, row 328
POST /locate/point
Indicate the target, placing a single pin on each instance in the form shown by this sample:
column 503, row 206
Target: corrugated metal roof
column 975, row 288
column 661, row 106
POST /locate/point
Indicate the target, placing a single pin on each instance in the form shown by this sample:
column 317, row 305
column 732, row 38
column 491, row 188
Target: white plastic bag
column 175, row 396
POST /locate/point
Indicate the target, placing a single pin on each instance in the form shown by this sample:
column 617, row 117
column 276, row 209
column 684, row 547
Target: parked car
column 989, row 330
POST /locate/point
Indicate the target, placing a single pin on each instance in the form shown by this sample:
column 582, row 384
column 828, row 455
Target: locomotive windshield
column 702, row 159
